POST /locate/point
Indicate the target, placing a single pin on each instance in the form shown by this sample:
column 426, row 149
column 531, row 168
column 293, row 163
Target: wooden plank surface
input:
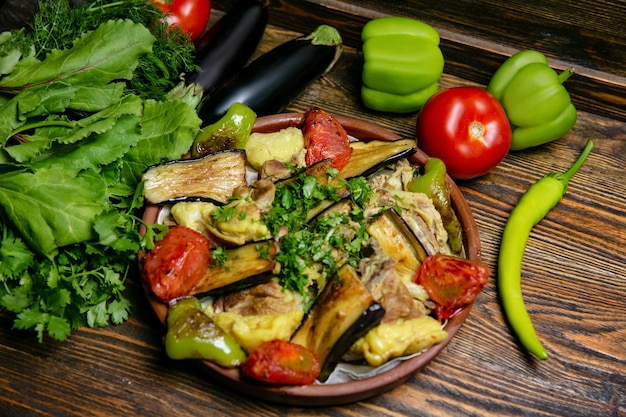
column 574, row 269
column 477, row 36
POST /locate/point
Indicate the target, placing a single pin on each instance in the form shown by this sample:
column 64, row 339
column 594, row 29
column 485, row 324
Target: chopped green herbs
column 224, row 213
column 317, row 241
column 264, row 251
column 219, row 256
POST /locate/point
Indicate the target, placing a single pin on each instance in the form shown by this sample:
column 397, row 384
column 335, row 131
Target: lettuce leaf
column 167, row 128
column 108, row 53
column 53, row 207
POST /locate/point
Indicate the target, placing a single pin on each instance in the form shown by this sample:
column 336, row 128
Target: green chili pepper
column 433, row 183
column 537, row 104
column 229, row 132
column 533, row 206
column 402, row 64
column 191, row 334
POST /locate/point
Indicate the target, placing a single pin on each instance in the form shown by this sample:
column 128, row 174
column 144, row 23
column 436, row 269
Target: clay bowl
column 335, row 394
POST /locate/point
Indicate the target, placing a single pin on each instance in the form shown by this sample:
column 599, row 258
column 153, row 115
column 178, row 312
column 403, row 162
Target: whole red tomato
column 465, row 127
column 191, row 16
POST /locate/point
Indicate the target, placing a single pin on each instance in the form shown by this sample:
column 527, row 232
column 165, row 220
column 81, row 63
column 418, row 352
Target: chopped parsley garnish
column 318, row 241
column 224, row 213
column 219, row 256
column 264, row 251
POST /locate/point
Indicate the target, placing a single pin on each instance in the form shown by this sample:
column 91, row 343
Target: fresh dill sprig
column 55, row 26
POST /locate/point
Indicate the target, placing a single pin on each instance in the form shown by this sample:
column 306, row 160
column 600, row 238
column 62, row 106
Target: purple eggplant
column 272, row 81
column 228, row 45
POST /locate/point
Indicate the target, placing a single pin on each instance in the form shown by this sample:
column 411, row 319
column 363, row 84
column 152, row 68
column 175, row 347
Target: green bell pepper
column 229, row 132
column 402, row 64
column 191, row 334
column 537, row 104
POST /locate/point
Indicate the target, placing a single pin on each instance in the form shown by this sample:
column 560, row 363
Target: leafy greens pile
column 73, row 145
column 59, row 23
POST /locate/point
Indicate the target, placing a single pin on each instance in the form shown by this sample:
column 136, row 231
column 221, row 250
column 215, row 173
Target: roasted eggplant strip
column 416, row 209
column 367, row 157
column 396, row 240
column 212, row 177
column 242, row 263
column 241, row 285
column 344, row 311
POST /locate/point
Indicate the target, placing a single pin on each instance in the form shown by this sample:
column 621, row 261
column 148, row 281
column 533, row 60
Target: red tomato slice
column 324, row 138
column 451, row 282
column 177, row 263
column 192, row 16
column 282, row 362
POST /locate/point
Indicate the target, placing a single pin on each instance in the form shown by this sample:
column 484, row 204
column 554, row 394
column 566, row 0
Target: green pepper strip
column 533, row 206
column 229, row 132
column 433, row 183
column 191, row 334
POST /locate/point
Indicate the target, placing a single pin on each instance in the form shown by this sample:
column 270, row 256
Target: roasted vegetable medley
column 320, row 247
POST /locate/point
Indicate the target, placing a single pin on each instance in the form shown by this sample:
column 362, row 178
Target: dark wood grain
column 574, row 271
column 477, row 36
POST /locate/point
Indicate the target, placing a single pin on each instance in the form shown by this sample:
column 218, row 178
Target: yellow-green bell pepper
column 191, row 334
column 537, row 104
column 402, row 64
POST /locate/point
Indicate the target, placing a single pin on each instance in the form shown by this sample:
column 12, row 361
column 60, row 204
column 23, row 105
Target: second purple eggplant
column 228, row 45
column 272, row 81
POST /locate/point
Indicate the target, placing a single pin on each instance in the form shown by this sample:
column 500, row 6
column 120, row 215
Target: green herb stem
column 567, row 175
column 44, row 123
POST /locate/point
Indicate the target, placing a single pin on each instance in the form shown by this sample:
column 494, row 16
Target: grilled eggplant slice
column 396, row 240
column 212, row 177
column 241, row 269
column 344, row 311
column 368, row 157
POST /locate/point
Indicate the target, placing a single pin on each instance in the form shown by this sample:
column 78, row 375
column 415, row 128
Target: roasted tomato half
column 281, row 362
column 451, row 282
column 177, row 263
column 324, row 138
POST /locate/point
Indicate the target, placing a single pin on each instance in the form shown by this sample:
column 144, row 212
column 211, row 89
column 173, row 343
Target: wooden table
column 574, row 277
